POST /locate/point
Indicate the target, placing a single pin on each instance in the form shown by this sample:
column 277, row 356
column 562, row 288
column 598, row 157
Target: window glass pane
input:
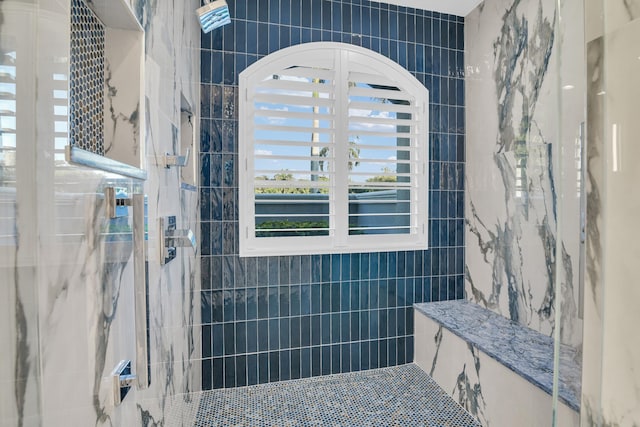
column 380, row 156
column 293, row 134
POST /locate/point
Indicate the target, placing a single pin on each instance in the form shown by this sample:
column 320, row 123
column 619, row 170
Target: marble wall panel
column 522, row 158
column 66, row 276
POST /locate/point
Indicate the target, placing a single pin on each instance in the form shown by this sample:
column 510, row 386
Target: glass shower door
column 611, row 377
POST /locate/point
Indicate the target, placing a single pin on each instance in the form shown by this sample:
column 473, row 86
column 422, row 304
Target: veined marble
column 66, row 286
column 611, row 378
column 491, row 388
column 514, row 182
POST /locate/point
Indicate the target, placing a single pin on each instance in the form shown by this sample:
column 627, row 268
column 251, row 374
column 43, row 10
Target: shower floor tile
column 398, row 396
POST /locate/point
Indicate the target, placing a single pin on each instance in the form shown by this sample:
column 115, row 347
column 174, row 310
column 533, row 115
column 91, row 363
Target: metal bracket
column 112, row 202
column 122, row 381
column 177, row 161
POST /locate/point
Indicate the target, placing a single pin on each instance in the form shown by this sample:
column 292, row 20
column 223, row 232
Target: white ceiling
column 453, row 7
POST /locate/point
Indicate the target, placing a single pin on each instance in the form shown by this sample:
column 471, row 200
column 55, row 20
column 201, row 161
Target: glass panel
column 380, row 160
column 292, row 154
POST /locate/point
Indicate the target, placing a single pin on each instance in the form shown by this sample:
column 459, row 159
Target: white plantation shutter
column 333, row 152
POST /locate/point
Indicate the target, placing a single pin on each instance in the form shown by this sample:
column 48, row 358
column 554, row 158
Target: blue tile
column 317, row 298
column 392, row 352
column 316, row 14
column 217, row 306
column 294, row 300
column 354, row 296
column 285, row 12
column 285, row 333
column 325, row 328
column 345, row 296
column 346, row 17
column 325, row 294
column 306, row 362
column 345, row 350
column 228, row 306
column 274, row 366
column 263, row 271
column 205, row 306
column 296, row 12
column 263, row 39
column 316, row 361
column 263, row 303
column 263, row 335
column 263, row 368
column 364, row 355
column 229, row 338
column 305, row 299
column 251, row 303
column 274, row 271
column 335, row 297
column 252, row 369
column 335, row 328
column 252, row 37
column 294, row 332
column 296, row 371
column 207, row 374
column 205, row 67
column 316, row 331
column 285, row 36
column 218, row 372
column 307, row 13
column 304, row 339
column 356, row 19
column 252, row 336
column 392, row 322
column 241, row 371
column 364, row 288
column 374, row 293
column 274, row 334
column 325, row 360
column 335, row 359
column 241, row 337
column 383, row 354
column 207, row 348
column 336, row 262
column 374, row 354
column 274, row 11
column 284, row 301
column 274, row 302
column 285, row 365
column 305, row 269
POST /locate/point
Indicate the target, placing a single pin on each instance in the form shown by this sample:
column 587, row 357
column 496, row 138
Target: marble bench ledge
column 526, row 352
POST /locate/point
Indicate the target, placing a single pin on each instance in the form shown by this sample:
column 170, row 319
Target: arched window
column 333, row 153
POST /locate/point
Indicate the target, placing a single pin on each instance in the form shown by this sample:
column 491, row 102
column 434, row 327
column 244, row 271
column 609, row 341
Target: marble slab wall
column 524, row 86
column 610, row 380
column 66, row 275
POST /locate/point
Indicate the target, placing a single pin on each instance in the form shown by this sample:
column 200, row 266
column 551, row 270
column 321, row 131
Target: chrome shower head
column 213, row 15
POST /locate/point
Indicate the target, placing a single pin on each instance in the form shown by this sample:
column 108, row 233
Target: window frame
column 344, row 58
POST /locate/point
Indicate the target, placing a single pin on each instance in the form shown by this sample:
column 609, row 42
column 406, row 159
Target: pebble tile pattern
column 86, row 79
column 525, row 351
column 397, row 396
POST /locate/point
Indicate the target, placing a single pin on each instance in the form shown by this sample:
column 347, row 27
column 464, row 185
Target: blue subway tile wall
column 277, row 318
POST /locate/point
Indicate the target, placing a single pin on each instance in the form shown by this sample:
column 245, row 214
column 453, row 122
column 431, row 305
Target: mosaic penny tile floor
column 397, row 396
